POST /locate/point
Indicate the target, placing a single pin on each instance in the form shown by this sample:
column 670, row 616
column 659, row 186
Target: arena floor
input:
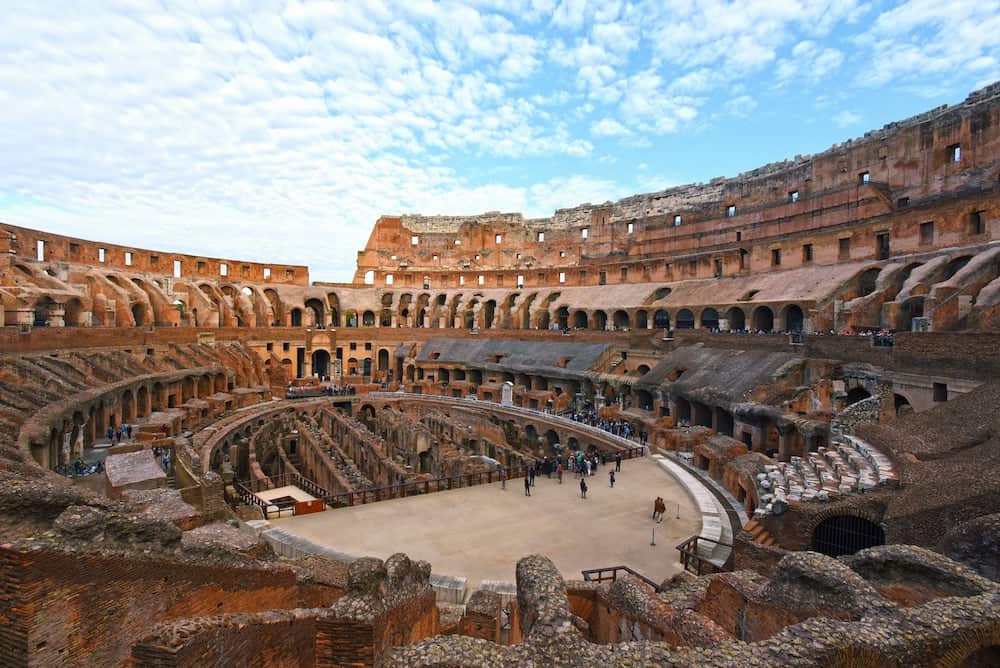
column 480, row 532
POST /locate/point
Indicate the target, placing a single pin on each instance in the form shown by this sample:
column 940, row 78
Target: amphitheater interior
column 808, row 350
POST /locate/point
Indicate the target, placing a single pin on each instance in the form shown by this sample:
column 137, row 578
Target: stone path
column 480, row 532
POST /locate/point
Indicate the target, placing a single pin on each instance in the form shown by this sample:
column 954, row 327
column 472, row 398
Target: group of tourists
column 122, row 433
column 621, row 428
column 580, row 465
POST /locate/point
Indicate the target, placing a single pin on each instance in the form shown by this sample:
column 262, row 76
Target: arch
column 955, row 265
column 642, row 370
column 901, row 404
column 368, row 319
column 318, row 312
column 489, row 310
column 642, row 319
column 684, row 319
column 73, row 316
column 383, row 360
column 600, row 320
column 855, row 395
column 867, row 280
column 366, row 367
column 846, row 534
column 661, row 319
column 551, row 438
column 321, row 363
column 351, row 319
column 562, row 317
column 794, row 318
column 737, row 319
column 139, row 314
column 296, row 317
column 621, row 319
column 645, row 399
column 580, row 320
column 709, row 318
column 142, row 402
column 543, row 320
column 763, row 319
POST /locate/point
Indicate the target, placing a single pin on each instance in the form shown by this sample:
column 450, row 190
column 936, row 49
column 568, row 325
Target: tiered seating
column 847, row 466
column 344, row 464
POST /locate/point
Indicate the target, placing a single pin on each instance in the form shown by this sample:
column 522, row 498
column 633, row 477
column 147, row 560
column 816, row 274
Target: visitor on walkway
column 111, row 433
column 618, row 462
column 583, row 488
column 587, row 467
column 527, row 486
column 532, row 475
column 659, row 507
column 503, row 478
column 123, row 432
column 128, row 429
column 611, row 474
column 559, row 473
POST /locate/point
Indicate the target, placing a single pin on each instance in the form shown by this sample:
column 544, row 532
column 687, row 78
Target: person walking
column 503, row 479
column 111, row 433
column 128, row 428
column 611, row 474
column 583, row 488
column 532, row 475
column 527, row 486
column 559, row 473
column 618, row 462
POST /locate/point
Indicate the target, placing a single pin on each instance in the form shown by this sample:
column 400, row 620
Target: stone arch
column 793, row 318
column 661, row 319
column 709, row 318
column 543, row 320
column 600, row 320
column 139, row 315
column 321, row 363
column 642, row 319
column 841, row 533
column 901, row 404
column 318, row 312
column 856, row 394
column 351, row 319
column 763, row 319
column 867, row 280
column 296, row 317
column 368, row 319
column 580, row 320
column 644, row 399
column 684, row 319
column 383, row 359
column 621, row 319
column 737, row 319
column 73, row 316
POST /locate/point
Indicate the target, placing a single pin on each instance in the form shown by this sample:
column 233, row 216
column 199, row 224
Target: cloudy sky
column 280, row 130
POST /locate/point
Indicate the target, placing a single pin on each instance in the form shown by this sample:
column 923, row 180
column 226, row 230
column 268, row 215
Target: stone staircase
column 759, row 533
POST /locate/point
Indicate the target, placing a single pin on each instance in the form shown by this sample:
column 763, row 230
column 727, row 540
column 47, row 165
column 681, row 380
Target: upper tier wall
column 23, row 242
column 906, row 164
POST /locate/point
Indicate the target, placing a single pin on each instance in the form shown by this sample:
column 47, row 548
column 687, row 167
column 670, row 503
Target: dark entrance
column 846, row 534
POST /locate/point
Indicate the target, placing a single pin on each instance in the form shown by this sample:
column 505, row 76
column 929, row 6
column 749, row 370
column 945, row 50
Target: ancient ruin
column 802, row 360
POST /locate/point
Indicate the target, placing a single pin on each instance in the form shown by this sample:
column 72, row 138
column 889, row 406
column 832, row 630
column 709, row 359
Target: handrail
column 689, row 555
column 588, row 575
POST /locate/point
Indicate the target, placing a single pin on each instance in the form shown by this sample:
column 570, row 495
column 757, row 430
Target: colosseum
column 453, row 459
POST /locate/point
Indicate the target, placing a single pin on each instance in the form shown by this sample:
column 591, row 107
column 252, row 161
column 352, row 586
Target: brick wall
column 85, row 609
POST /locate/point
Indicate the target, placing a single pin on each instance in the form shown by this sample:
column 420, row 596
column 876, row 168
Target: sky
column 278, row 131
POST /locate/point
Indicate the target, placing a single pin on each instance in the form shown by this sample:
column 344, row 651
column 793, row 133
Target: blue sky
column 279, row 131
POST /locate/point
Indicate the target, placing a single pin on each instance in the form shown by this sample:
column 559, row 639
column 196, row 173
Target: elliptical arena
column 800, row 360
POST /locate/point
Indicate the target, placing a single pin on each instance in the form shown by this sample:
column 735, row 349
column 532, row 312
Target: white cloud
column 845, row 119
column 808, row 62
column 608, row 127
column 741, row 106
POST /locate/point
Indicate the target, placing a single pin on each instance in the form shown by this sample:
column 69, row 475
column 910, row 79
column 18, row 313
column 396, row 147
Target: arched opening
column 855, row 395
column 794, row 318
column 710, row 319
column 543, row 320
column 600, row 320
column 552, row 439
column 737, row 319
column 562, row 317
column 984, row 657
column 580, row 320
column 912, row 308
column 901, row 404
column 142, row 402
column 661, row 319
column 321, row 363
column 318, row 312
column 956, row 265
column 489, row 310
column 621, row 320
column 846, row 534
column 385, row 317
column 43, row 311
column 763, row 319
column 644, row 399
column 351, row 319
column 641, row 319
column 296, row 317
column 366, row 365
column 73, row 316
column 642, row 370
column 867, row 280
column 684, row 319
column 368, row 319
column 383, row 360
column 139, row 314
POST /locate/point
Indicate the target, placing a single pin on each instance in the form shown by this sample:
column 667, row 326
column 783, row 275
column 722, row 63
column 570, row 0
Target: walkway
column 480, row 532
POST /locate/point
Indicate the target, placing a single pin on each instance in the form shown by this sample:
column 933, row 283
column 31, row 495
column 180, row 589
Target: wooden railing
column 611, row 573
column 694, row 562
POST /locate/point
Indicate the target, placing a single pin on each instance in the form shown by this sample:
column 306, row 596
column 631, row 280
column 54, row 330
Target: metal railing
column 694, row 562
column 611, row 573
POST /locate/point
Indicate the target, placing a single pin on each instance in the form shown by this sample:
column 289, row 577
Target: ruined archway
column 684, row 319
column 763, row 319
column 710, row 318
column 321, row 363
column 846, row 534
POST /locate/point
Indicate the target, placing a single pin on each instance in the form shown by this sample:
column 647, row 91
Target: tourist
column 611, row 474
column 527, row 486
column 559, row 473
column 111, row 433
column 618, row 461
column 587, row 467
column 503, row 478
column 532, row 475
column 583, row 488
column 128, row 429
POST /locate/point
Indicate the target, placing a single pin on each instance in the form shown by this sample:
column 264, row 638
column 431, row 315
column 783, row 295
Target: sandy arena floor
column 480, row 532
